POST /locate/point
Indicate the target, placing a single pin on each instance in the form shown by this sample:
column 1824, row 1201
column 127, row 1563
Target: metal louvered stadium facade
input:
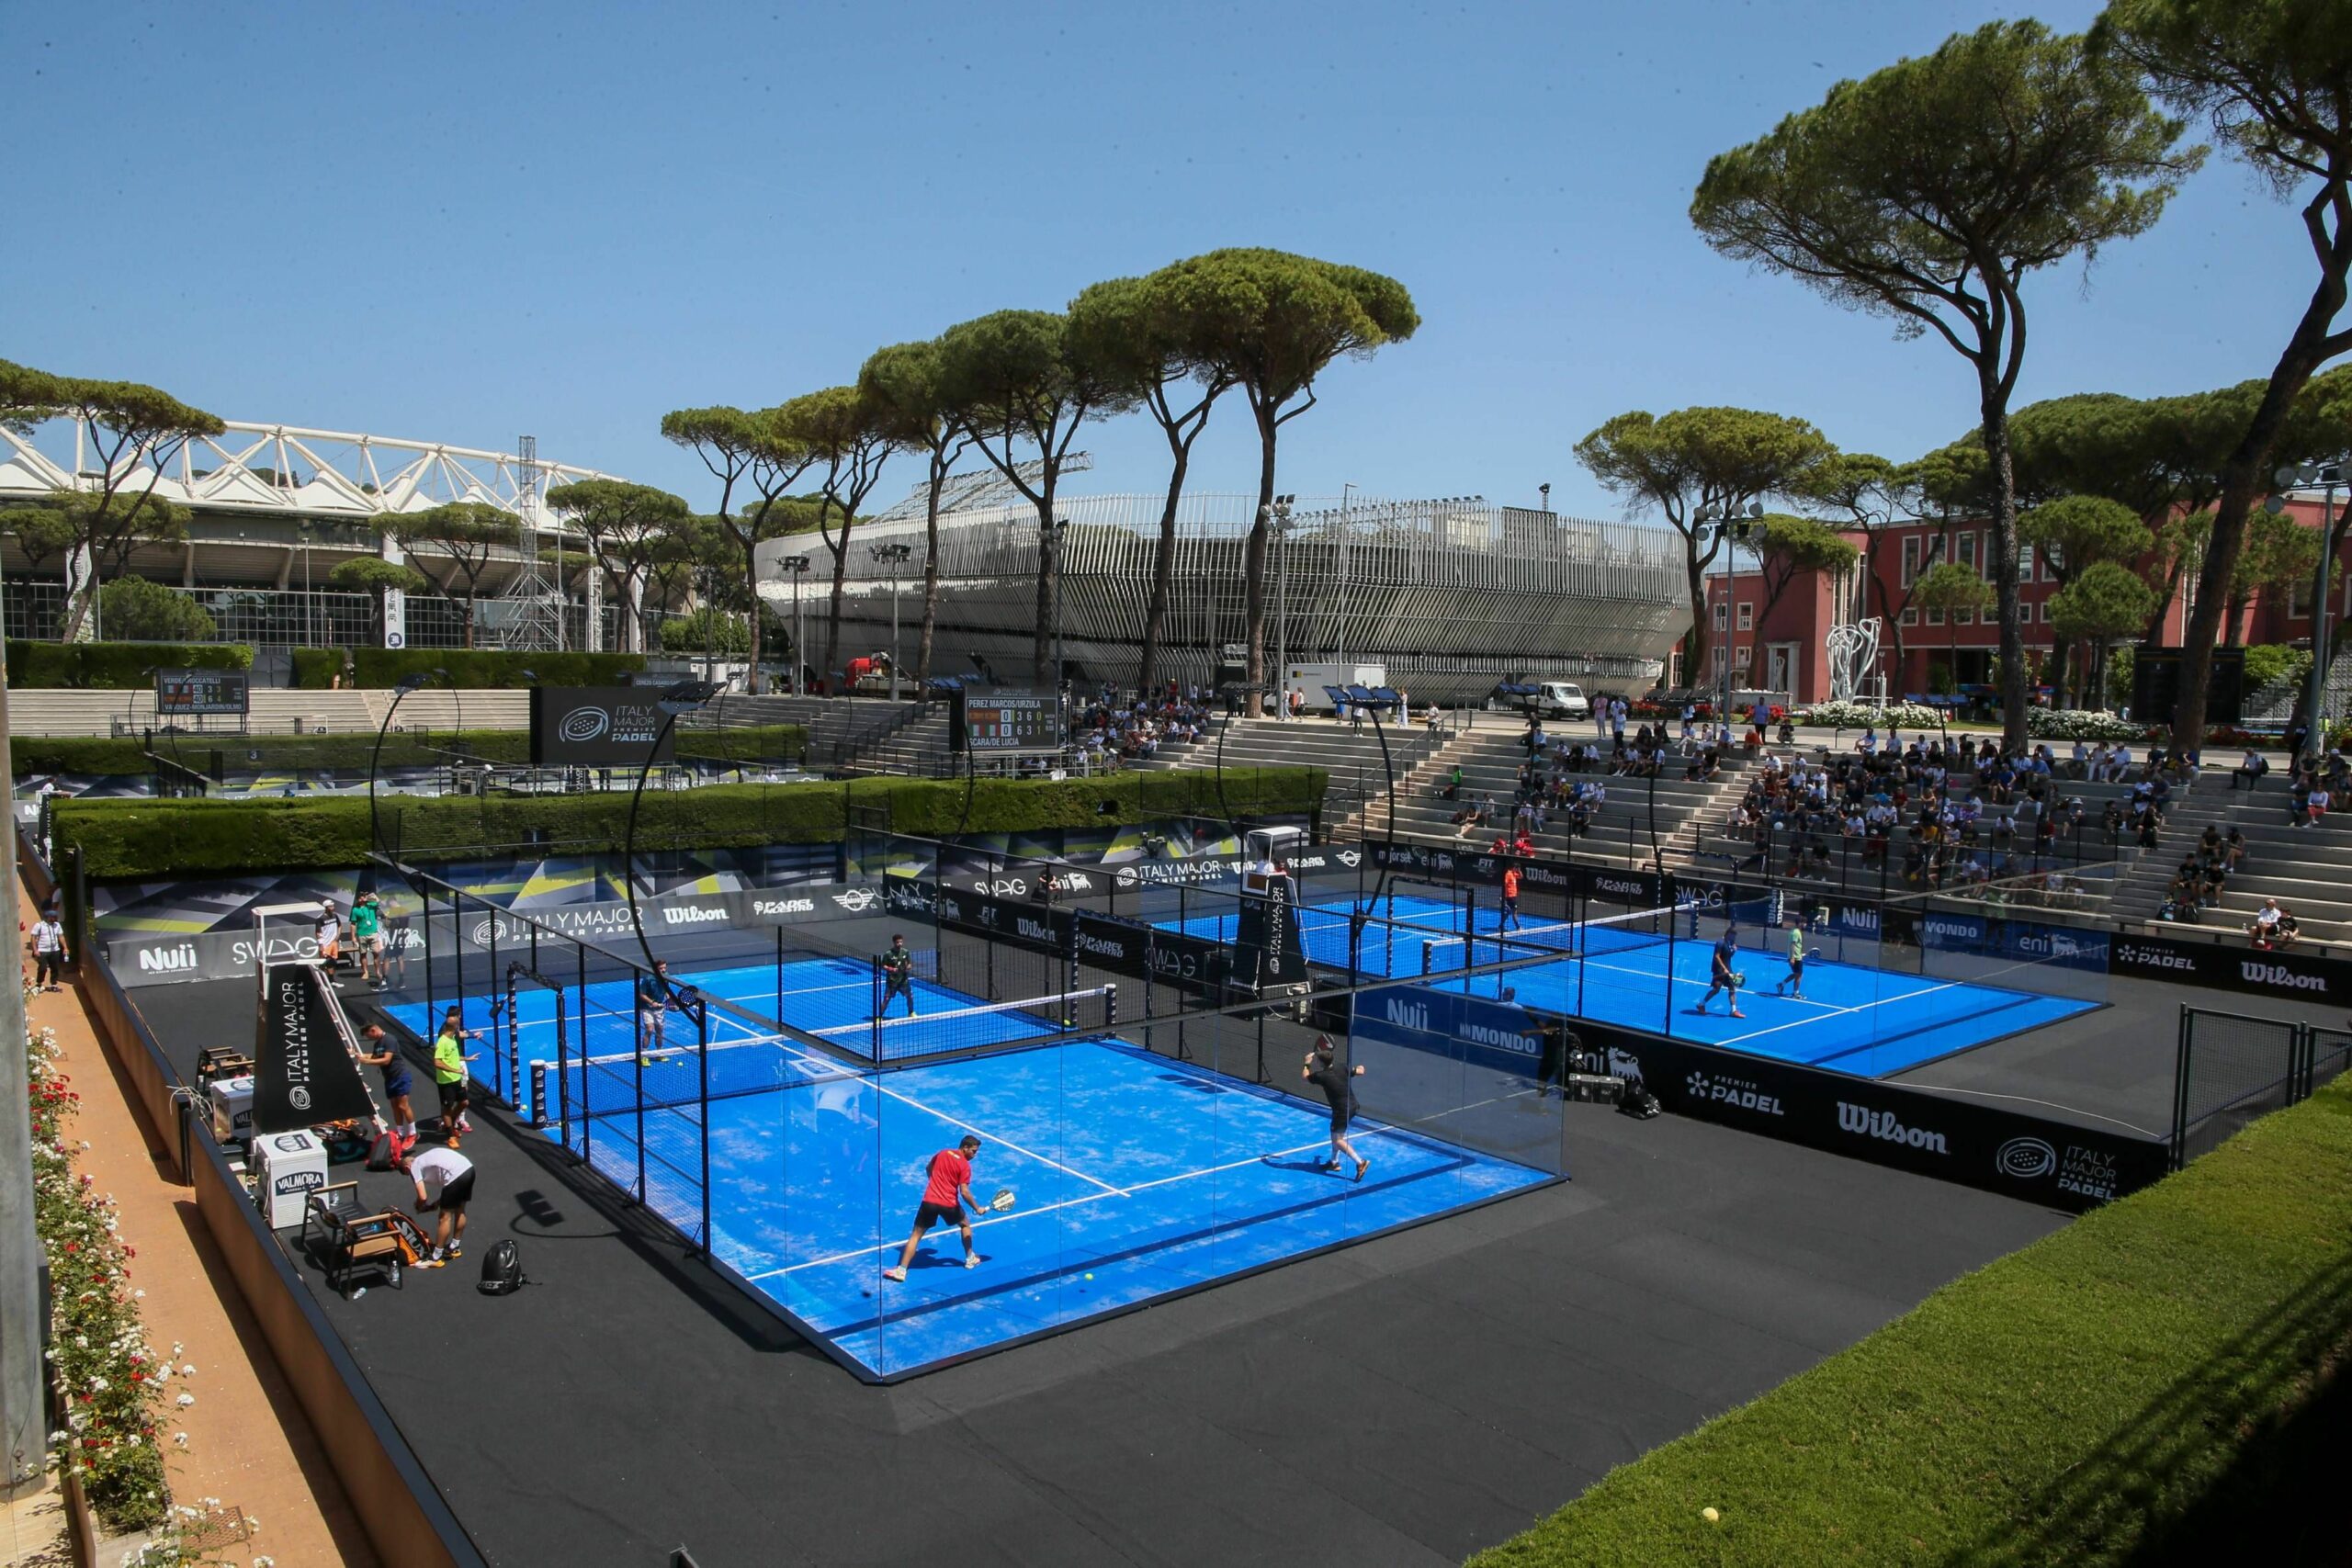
column 1450, row 595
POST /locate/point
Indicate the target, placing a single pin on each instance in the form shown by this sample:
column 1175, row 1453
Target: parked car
column 1561, row 699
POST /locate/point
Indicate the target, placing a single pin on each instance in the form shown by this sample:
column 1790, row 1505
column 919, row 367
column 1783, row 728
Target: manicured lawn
column 2069, row 1404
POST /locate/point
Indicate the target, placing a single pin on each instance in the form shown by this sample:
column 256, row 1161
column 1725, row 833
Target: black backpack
column 502, row 1269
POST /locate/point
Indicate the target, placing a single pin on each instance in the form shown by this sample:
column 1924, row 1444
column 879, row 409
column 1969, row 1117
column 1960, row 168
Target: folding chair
column 352, row 1238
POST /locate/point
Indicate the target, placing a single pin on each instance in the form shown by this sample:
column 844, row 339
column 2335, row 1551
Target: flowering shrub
column 185, row 1538
column 107, row 1379
column 1863, row 715
column 2081, row 724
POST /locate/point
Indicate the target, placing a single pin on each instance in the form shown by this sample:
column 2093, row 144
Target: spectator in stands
column 2299, row 800
column 1451, row 788
column 2234, row 849
column 2315, row 805
column 2264, row 932
column 2249, row 769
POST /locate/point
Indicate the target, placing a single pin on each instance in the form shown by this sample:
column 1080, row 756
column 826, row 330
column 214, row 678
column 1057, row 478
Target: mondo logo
column 584, row 724
column 2028, row 1159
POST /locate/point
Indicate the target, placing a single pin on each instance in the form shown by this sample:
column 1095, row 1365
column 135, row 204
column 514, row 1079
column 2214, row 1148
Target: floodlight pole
column 683, row 698
column 407, row 684
column 894, row 555
column 2315, row 695
column 798, row 567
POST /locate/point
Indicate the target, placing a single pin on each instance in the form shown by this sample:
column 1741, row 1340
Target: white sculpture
column 1853, row 661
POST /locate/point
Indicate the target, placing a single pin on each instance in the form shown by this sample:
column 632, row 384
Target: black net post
column 562, row 1080
column 637, row 1066
column 702, row 1059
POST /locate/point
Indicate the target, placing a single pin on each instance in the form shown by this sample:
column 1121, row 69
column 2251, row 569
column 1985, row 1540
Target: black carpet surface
column 1404, row 1400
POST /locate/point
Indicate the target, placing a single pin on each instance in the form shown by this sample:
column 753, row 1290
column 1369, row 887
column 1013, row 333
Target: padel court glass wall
column 1139, row 1140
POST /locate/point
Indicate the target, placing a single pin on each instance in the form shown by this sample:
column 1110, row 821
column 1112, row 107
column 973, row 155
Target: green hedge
column 2119, row 1392
column 119, row 666
column 183, row 838
column 84, row 754
column 469, row 669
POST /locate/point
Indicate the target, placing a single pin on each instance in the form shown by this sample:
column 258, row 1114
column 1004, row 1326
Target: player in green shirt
column 368, row 932
column 1793, row 982
column 449, row 1074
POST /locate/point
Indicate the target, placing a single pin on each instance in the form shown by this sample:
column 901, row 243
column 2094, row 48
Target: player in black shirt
column 1323, row 1070
column 897, row 977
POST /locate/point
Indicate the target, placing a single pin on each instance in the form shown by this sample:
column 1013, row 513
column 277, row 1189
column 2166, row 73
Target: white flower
column 180, row 1438
column 186, row 1400
column 187, row 1370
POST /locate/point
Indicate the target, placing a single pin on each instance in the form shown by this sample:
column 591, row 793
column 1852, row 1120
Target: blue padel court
column 1851, row 1017
column 1134, row 1177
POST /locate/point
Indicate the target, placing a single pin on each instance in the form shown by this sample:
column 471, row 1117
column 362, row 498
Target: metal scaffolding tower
column 531, row 616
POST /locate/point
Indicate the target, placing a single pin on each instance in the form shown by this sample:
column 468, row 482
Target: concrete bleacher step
column 271, row 711
column 2307, row 869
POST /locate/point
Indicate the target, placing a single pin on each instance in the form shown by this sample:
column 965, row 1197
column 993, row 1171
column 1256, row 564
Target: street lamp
column 2331, row 476
column 1732, row 528
column 798, row 567
column 895, row 556
column 407, row 684
column 1545, row 491
column 1055, row 532
column 1276, row 514
column 309, row 632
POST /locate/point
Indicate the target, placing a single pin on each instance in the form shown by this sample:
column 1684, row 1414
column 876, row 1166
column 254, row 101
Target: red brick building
column 1778, row 643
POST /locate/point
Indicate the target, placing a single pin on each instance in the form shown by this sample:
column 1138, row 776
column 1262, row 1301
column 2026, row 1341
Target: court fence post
column 636, row 1025
column 587, row 1098
column 489, row 918
column 2180, row 1079
column 702, row 1060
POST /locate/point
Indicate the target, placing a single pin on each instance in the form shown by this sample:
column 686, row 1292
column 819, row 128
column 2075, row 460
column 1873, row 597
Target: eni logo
column 585, row 724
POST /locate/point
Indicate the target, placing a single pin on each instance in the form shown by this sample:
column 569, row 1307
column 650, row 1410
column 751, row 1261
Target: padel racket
column 1001, row 1201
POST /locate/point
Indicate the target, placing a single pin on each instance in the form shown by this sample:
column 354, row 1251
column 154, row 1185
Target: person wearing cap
column 1323, row 1070
column 947, row 1183
column 330, row 937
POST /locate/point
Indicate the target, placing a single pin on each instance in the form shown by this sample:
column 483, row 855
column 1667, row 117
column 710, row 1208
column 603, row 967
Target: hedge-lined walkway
column 2114, row 1394
column 249, row 1442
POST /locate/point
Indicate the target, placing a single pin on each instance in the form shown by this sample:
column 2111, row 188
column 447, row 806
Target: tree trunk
column 469, row 622
column 930, row 571
column 633, row 615
column 833, row 609
column 2015, row 677
column 2245, row 481
column 1042, row 649
column 751, row 586
column 1253, row 561
column 1701, row 675
column 1163, row 573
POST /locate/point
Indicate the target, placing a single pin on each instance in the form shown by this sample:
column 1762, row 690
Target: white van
column 1562, row 699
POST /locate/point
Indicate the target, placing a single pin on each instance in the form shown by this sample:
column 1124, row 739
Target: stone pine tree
column 1700, row 461
column 1138, row 331
column 906, row 386
column 1929, row 190
column 134, row 431
column 2274, row 78
column 1948, row 591
column 744, row 451
column 624, row 525
column 2073, row 534
column 851, row 436
column 1273, row 323
column 1024, row 384
column 2105, row 602
column 466, row 535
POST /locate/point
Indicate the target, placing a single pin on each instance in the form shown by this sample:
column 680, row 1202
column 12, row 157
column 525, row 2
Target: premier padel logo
column 1719, row 1090
column 1887, row 1128
column 2153, row 957
column 2028, row 1159
column 2280, row 976
column 584, row 724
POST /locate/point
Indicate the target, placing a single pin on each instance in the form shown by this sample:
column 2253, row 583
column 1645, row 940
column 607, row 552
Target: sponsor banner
column 599, row 727
column 304, row 1072
column 2031, row 1157
column 1270, row 950
column 1119, row 946
column 1196, row 870
column 1485, row 1034
column 218, row 956
column 2233, row 967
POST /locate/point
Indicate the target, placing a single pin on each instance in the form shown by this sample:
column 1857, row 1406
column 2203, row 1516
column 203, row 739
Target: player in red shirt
column 944, row 1198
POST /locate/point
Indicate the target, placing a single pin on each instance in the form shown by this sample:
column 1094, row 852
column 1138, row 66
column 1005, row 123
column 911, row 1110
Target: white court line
column 835, row 1071
column 1050, row 1208
column 1857, row 1007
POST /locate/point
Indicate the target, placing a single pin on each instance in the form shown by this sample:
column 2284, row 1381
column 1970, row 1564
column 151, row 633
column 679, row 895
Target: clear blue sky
column 461, row 224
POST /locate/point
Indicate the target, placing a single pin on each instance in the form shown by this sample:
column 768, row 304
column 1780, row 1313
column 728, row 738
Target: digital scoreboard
column 195, row 694
column 1006, row 721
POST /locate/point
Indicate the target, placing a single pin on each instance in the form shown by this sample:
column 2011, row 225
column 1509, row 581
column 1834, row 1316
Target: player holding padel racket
column 1721, row 976
column 897, row 977
column 1323, row 1070
column 1793, row 981
column 948, row 1179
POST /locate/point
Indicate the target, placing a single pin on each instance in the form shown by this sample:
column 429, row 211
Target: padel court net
column 1141, row 1163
